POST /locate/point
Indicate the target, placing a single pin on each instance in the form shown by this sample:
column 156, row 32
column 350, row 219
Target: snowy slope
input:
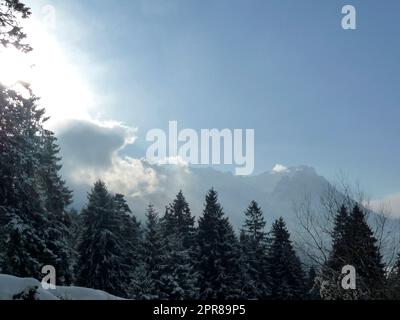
column 275, row 191
column 278, row 192
column 14, row 288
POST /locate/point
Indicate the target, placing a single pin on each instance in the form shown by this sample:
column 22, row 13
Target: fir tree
column 353, row 243
column 178, row 279
column 365, row 255
column 130, row 238
column 75, row 223
column 287, row 276
column 177, row 275
column 130, row 232
column 23, row 217
column 253, row 242
column 101, row 262
column 218, row 255
column 19, row 201
column 32, row 195
column 56, row 198
column 179, row 220
column 340, row 255
column 340, row 240
column 152, row 256
column 393, row 281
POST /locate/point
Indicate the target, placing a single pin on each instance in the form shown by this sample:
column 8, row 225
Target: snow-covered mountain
column 277, row 191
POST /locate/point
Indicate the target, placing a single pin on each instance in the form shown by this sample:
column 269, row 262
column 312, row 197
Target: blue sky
column 314, row 93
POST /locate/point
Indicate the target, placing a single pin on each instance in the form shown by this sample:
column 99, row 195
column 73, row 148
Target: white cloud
column 91, row 151
column 390, row 203
column 279, row 168
column 93, row 143
column 126, row 175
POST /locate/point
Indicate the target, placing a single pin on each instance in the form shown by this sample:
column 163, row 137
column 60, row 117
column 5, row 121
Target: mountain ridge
column 275, row 191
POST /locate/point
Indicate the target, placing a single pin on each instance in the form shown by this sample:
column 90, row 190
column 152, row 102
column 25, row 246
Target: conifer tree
column 287, row 276
column 101, row 262
column 354, row 244
column 130, row 232
column 22, row 214
column 152, row 257
column 393, row 281
column 179, row 220
column 339, row 256
column 218, row 255
column 178, row 279
column 34, row 215
column 56, row 197
column 340, row 240
column 253, row 242
column 75, row 226
column 32, row 226
column 365, row 256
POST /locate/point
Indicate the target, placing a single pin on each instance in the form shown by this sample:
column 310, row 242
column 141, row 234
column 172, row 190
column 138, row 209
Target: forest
column 171, row 255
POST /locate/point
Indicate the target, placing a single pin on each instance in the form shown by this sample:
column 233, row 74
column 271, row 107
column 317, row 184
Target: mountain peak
column 281, row 169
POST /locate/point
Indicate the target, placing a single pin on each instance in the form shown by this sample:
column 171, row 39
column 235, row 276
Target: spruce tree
column 56, row 199
column 218, row 255
column 23, row 217
column 354, row 244
column 178, row 279
column 101, row 263
column 33, row 206
column 20, row 207
column 365, row 256
column 177, row 275
column 130, row 232
column 253, row 242
column 33, row 228
column 179, row 220
column 338, row 257
column 340, row 241
column 287, row 276
column 76, row 229
column 393, row 281
column 149, row 278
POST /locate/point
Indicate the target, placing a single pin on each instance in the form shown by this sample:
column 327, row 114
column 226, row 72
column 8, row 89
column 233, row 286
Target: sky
column 315, row 94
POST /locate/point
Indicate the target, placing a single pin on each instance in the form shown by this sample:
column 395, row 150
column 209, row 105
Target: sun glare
column 50, row 72
column 14, row 67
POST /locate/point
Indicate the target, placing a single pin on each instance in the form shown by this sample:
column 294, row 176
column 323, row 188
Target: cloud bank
column 390, row 203
column 91, row 150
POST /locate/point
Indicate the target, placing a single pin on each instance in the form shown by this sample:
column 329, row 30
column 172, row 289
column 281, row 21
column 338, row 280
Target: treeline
column 172, row 257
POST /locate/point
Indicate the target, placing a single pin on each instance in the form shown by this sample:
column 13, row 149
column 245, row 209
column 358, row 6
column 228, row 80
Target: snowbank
column 14, row 288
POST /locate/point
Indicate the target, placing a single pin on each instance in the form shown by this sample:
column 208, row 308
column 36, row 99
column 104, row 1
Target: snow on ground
column 14, row 288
